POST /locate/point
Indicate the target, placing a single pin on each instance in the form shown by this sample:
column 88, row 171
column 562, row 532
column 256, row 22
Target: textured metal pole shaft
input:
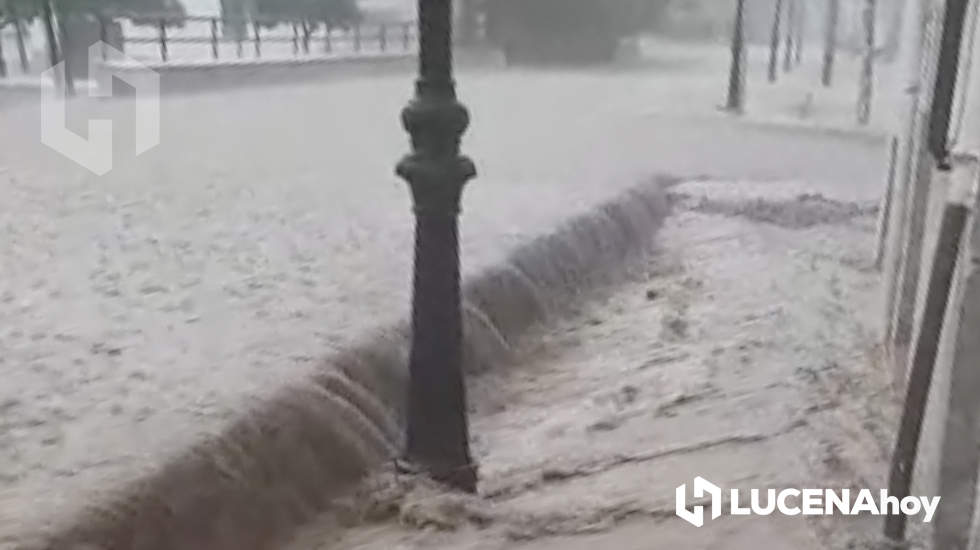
column 867, row 67
column 830, row 42
column 437, row 438
column 736, row 76
column 774, row 41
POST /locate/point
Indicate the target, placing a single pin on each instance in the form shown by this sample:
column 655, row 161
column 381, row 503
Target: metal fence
column 24, row 47
column 214, row 38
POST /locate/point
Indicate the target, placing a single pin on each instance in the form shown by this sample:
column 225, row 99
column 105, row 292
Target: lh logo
column 702, row 488
column 95, row 152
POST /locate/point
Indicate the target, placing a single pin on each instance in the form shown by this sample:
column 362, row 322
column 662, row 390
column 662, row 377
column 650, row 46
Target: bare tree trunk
column 830, row 41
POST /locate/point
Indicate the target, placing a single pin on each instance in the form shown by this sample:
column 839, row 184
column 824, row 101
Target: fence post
column 383, row 37
column 214, row 38
column 163, row 40
column 258, row 39
column 867, row 67
column 295, row 39
column 327, row 44
column 25, row 65
column 830, row 42
column 357, row 37
column 736, row 76
column 774, row 41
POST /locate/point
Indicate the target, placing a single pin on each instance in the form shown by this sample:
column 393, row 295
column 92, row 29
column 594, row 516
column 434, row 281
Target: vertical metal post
column 214, row 38
column 306, row 37
column 382, row 38
column 867, row 67
column 790, row 39
column 736, row 74
column 163, row 40
column 295, row 39
column 830, row 42
column 257, row 29
column 437, row 438
column 327, row 44
column 774, row 41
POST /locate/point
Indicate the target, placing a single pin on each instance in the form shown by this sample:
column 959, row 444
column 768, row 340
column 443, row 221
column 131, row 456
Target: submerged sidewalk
column 739, row 353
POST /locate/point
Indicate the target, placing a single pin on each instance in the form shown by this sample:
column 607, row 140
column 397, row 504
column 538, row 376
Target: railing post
column 382, row 38
column 163, row 40
column 437, row 432
column 256, row 28
column 327, row 43
column 295, row 38
column 774, row 41
column 214, row 38
column 736, row 75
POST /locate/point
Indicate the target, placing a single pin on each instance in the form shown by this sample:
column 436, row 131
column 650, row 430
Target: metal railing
column 216, row 38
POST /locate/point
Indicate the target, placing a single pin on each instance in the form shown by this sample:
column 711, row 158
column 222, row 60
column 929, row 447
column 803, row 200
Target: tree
column 336, row 12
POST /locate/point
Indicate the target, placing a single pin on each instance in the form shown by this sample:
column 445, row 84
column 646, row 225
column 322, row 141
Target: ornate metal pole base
column 437, row 438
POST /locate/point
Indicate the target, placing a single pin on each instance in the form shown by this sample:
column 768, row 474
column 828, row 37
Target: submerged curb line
column 277, row 466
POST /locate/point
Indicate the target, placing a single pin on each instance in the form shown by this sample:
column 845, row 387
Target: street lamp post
column 437, row 434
